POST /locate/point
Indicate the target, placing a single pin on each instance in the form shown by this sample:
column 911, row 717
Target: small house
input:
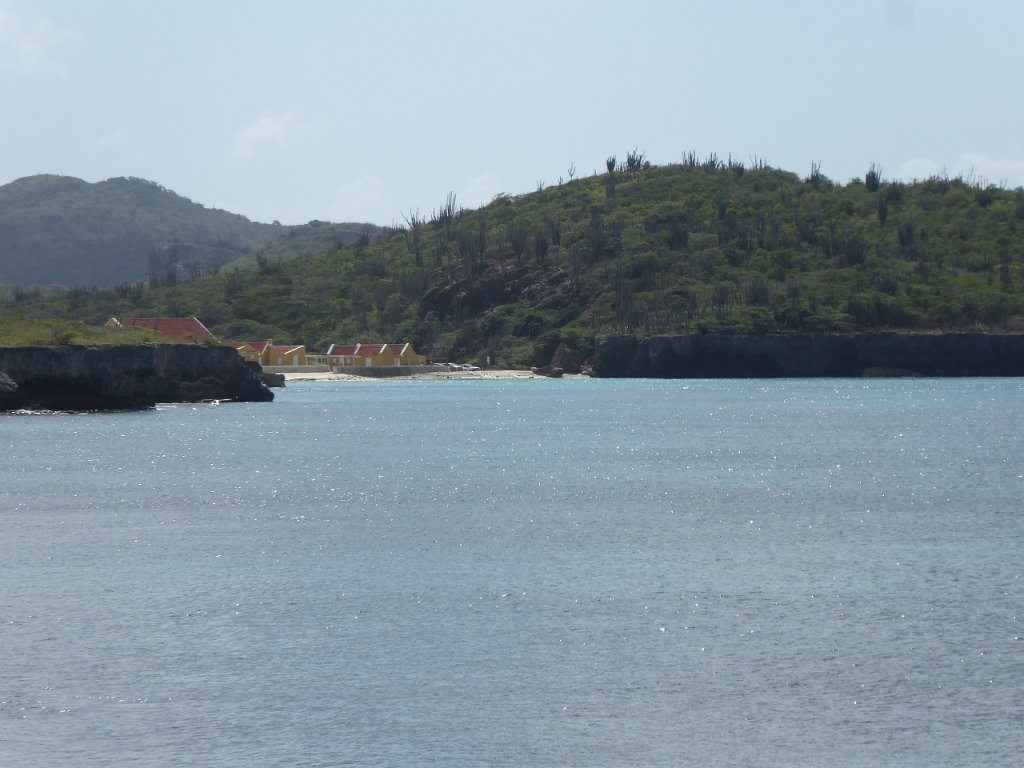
column 342, row 355
column 373, row 355
column 404, row 354
column 248, row 350
column 284, row 354
column 266, row 353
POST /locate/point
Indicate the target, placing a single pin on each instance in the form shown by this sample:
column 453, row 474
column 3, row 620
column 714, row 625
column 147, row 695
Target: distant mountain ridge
column 60, row 230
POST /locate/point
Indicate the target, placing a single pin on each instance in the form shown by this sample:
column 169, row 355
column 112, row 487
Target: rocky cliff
column 80, row 378
column 721, row 356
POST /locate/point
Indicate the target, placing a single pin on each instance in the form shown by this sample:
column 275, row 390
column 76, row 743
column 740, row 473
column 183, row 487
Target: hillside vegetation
column 700, row 246
column 61, row 231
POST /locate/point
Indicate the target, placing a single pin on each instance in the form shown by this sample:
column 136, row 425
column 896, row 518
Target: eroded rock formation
column 86, row 378
column 722, row 356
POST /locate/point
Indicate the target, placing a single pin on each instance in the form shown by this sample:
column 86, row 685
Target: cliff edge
column 102, row 378
column 805, row 355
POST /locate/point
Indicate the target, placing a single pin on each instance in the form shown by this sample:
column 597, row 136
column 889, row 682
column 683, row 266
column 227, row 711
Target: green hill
column 62, row 231
column 702, row 246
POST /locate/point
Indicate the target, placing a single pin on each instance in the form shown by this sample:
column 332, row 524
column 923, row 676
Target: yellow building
column 284, row 354
column 248, row 352
column 266, row 353
column 401, row 354
column 342, row 356
column 373, row 355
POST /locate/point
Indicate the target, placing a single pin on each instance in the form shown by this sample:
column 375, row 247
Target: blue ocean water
column 520, row 573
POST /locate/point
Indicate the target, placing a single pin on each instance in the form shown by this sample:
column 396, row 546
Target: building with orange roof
column 372, row 356
column 251, row 352
column 180, row 330
column 269, row 354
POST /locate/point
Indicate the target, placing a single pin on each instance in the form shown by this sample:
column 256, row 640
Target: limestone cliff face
column 720, row 356
column 82, row 378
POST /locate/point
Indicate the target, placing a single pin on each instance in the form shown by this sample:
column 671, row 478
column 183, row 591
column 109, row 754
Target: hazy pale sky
column 365, row 111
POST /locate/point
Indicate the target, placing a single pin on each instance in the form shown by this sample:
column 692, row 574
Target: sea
column 522, row 573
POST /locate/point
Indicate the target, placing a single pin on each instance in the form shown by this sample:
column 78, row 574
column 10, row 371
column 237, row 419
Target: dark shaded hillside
column 705, row 247
column 56, row 230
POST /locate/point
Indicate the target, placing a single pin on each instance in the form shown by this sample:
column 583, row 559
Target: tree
column 905, row 232
column 541, row 243
column 873, row 178
column 635, row 160
column 519, row 237
column 814, row 178
column 596, row 234
column 414, row 236
column 444, row 219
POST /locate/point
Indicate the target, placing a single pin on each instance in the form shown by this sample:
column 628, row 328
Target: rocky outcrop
column 268, row 378
column 722, row 356
column 562, row 362
column 81, row 378
column 564, row 359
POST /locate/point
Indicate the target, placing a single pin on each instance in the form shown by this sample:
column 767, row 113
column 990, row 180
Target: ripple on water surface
column 523, row 573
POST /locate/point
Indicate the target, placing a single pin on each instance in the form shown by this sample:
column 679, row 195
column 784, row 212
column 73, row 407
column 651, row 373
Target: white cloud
column 31, row 45
column 271, row 131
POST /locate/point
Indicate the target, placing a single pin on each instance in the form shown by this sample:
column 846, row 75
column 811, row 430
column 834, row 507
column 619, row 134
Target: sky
column 376, row 110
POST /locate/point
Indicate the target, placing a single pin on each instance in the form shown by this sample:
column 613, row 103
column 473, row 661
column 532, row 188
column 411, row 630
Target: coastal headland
column 774, row 356
column 809, row 355
column 98, row 378
column 123, row 377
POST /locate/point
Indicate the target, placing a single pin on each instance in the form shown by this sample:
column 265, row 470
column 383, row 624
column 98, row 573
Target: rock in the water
column 270, row 379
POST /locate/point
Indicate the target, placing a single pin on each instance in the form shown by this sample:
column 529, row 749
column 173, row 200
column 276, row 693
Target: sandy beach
column 424, row 376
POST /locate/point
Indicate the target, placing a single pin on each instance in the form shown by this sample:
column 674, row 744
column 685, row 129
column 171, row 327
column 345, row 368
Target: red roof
column 183, row 330
column 369, row 350
column 365, row 350
column 347, row 350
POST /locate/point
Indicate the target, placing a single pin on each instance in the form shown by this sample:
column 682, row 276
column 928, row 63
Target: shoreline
column 482, row 375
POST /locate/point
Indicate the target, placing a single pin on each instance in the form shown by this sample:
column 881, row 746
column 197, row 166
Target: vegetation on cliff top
column 17, row 331
column 705, row 245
